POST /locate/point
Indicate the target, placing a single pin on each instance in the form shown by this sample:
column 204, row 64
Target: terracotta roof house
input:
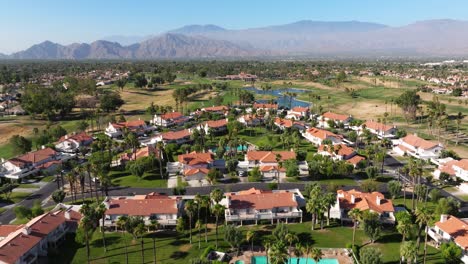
column 317, row 136
column 195, row 165
column 417, row 147
column 140, row 153
column 253, row 205
column 264, row 106
column 455, row 168
column 450, row 228
column 169, row 119
column 138, row 127
column 261, row 158
column 221, row 109
column 340, row 152
column 379, row 129
column 217, row 126
column 337, row 118
column 289, row 123
column 250, row 120
column 374, row 202
column 30, row 163
column 298, row 112
column 31, row 241
column 162, row 208
column 72, row 143
column 178, row 137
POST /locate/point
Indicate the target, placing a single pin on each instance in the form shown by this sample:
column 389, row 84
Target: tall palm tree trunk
column 154, row 250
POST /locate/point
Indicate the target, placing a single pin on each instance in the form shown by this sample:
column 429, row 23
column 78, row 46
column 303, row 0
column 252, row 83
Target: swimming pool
column 239, row 262
column 263, row 260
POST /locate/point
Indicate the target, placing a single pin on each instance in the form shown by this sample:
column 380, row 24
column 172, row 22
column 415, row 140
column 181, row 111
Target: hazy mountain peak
column 197, row 29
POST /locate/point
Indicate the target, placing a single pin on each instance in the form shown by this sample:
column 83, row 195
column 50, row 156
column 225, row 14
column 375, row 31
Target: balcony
column 262, row 216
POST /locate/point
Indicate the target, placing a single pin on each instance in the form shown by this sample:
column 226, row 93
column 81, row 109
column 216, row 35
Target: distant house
column 267, row 161
column 341, row 152
column 450, row 228
column 45, row 159
column 33, row 240
column 138, row 127
column 417, row 147
column 15, row 110
column 317, row 136
column 196, row 165
column 217, row 126
column 337, row 118
column 252, row 205
column 221, row 109
column 72, row 143
column 266, row 107
column 379, row 129
column 178, row 137
column 287, row 123
column 140, row 153
column 160, row 208
column 454, row 168
column 250, row 120
column 170, row 119
column 374, row 202
column 298, row 112
column 241, row 76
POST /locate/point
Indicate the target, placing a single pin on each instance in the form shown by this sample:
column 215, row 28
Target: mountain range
column 430, row 38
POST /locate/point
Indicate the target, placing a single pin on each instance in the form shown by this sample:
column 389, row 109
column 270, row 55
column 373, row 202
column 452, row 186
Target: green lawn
column 6, row 151
column 409, row 206
column 2, row 210
column 48, row 179
column 173, row 248
column 28, row 186
column 150, row 179
column 15, row 197
column 340, row 182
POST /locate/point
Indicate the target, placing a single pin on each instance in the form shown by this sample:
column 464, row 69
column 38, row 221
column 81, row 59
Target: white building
column 317, row 136
column 138, row 127
column 169, row 119
column 337, row 118
column 379, row 129
column 417, row 147
column 72, row 143
column 455, row 168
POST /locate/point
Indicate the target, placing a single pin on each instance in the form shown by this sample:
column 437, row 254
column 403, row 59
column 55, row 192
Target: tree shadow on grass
column 178, row 255
column 305, row 237
column 98, row 243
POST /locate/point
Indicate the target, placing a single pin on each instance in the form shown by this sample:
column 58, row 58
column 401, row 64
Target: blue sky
column 27, row 22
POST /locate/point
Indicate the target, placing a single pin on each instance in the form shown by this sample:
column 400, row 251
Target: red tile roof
column 322, row 133
column 270, row 168
column 190, row 172
column 457, row 229
column 33, row 157
column 130, row 124
column 336, row 117
column 174, row 135
column 300, row 109
column 142, row 207
column 270, row 156
column 5, row 230
column 262, row 200
column 463, row 164
column 365, row 201
column 81, row 137
column 355, row 159
column 283, row 122
column 171, row 115
column 216, row 123
column 142, row 152
column 195, row 158
column 377, row 126
column 216, row 108
column 340, row 149
column 418, row 142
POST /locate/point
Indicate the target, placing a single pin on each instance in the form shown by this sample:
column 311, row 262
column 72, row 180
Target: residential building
column 196, row 165
column 341, row 152
column 138, row 127
column 374, row 202
column 241, row 76
column 169, row 119
column 30, row 242
column 260, row 159
column 178, row 137
column 379, row 129
column 317, row 136
column 451, row 228
column 140, row 153
column 253, row 205
column 298, row 112
column 417, row 147
column 151, row 207
column 221, row 109
column 337, row 118
column 73, row 143
column 454, row 168
column 217, row 126
column 250, row 120
column 290, row 123
column 265, row 106
column 45, row 159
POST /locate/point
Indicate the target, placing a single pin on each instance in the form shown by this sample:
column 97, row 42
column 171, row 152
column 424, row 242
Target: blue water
column 239, row 262
column 263, row 260
column 283, row 101
column 239, row 148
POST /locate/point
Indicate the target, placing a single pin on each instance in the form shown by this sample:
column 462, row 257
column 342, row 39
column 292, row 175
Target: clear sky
column 27, row 22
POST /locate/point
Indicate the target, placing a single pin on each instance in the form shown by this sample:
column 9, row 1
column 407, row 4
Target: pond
column 282, row 100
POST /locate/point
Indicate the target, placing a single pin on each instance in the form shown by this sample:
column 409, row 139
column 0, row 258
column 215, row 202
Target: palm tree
column 298, row 252
column 330, row 201
column 160, row 151
column 355, row 214
column 189, row 210
column 88, row 171
column 121, row 224
column 307, row 248
column 423, row 218
column 140, row 231
column 86, row 224
column 408, row 252
column 249, row 236
column 217, row 210
column 71, row 178
column 278, row 253
column 291, row 238
column 313, row 203
column 279, row 165
column 101, row 213
column 205, row 203
column 198, row 201
column 316, row 254
column 216, row 195
column 404, row 225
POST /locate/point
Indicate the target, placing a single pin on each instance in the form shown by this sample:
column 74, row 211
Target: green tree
column 190, row 208
column 394, row 188
column 218, row 211
column 355, row 215
column 20, row 144
column 316, row 254
column 233, row 236
column 370, row 255
column 58, row 196
column 371, row 225
column 110, row 101
column 408, row 252
column 404, row 225
column 451, row 253
column 409, row 102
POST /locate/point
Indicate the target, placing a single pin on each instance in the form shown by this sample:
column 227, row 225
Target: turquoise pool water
column 263, row 260
column 239, row 262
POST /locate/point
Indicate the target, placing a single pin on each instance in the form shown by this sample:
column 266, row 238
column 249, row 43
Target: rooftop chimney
column 26, row 230
column 67, row 215
column 378, row 199
column 353, row 199
column 443, row 218
column 43, row 147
